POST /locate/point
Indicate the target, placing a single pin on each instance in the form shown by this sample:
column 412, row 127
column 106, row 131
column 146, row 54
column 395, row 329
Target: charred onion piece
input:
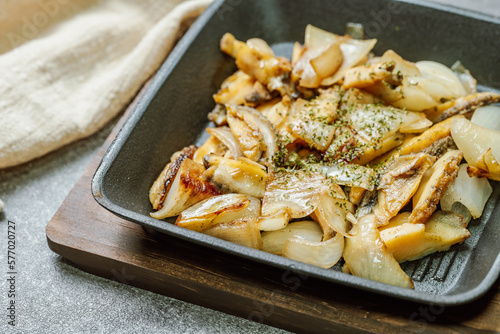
column 187, row 188
column 218, row 209
column 161, row 186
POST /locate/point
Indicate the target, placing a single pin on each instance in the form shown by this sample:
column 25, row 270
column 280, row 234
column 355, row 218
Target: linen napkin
column 67, row 67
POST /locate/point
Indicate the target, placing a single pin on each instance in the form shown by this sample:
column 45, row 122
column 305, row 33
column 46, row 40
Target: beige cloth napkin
column 67, row 67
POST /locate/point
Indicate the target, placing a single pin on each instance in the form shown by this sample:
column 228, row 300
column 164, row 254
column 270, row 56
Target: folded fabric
column 67, row 67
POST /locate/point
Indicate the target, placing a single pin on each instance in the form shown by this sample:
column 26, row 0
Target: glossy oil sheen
column 172, row 115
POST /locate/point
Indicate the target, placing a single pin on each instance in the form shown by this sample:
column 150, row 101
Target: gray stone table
column 55, row 297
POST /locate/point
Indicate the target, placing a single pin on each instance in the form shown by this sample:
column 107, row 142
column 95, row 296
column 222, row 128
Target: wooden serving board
column 106, row 245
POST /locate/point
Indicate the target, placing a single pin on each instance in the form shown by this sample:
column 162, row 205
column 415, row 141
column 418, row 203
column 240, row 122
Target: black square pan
column 172, row 115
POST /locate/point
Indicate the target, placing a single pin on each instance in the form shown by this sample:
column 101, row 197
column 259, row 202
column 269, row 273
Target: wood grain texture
column 104, row 244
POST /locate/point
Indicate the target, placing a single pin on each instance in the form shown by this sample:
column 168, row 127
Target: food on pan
column 338, row 155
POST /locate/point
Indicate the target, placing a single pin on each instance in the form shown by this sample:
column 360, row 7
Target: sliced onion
column 474, row 140
column 251, row 211
column 443, row 75
column 243, row 232
column 433, row 88
column 487, row 117
column 296, row 52
column 275, row 221
column 366, row 256
column 304, row 73
column 317, row 38
column 415, row 91
column 488, row 166
column 329, row 61
column 224, row 134
column 324, row 254
column 273, row 241
column 472, row 192
column 335, row 215
column 353, row 52
column 163, row 183
column 213, row 210
column 320, row 57
column 187, row 188
column 414, row 97
column 465, row 77
column 462, row 211
column 258, row 122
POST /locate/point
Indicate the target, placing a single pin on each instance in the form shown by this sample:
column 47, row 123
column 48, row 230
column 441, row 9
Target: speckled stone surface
column 53, row 296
